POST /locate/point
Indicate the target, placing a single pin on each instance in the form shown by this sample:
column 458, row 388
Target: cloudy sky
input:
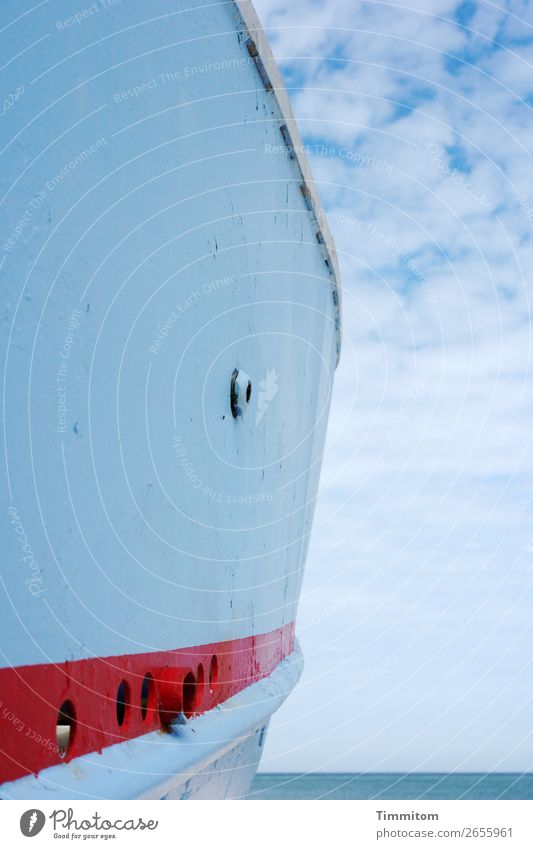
column 415, row 617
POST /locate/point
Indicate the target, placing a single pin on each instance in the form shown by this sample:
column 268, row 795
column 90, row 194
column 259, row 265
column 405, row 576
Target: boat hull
column 214, row 756
column 169, row 339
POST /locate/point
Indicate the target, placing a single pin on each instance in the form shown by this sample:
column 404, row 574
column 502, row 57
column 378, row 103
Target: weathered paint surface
column 182, row 683
column 156, row 236
column 214, row 756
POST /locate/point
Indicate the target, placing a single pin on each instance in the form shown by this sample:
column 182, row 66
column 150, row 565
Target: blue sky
column 415, row 616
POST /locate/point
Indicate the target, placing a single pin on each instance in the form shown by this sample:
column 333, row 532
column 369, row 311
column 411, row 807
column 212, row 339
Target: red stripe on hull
column 113, row 699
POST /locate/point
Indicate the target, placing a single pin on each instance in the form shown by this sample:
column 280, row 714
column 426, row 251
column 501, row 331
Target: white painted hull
column 159, row 237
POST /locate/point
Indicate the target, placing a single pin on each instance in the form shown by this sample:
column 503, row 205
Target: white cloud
column 427, row 475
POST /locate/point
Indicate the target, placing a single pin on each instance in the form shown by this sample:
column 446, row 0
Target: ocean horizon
column 390, row 785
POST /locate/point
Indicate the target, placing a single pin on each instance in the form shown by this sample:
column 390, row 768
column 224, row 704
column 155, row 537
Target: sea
column 413, row 785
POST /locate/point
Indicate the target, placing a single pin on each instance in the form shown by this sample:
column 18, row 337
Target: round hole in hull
column 123, row 702
column 66, row 722
column 147, row 696
column 213, row 673
column 189, row 694
column 200, row 682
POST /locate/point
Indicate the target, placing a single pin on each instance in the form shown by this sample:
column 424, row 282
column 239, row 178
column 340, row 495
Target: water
column 392, row 786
